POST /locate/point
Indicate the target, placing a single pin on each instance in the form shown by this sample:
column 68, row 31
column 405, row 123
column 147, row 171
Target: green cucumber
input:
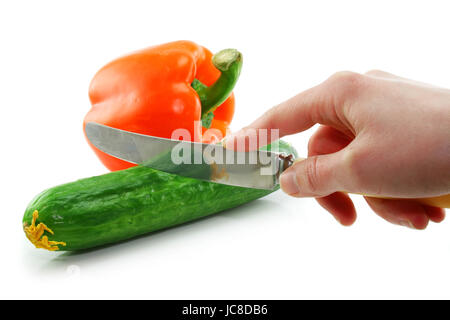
column 124, row 204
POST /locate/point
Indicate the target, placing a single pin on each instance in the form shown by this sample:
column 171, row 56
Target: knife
column 209, row 162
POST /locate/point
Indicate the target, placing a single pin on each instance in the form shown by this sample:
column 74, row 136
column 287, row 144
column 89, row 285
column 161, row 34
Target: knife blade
column 209, row 162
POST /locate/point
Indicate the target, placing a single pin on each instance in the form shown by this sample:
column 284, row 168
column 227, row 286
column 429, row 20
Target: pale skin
column 379, row 135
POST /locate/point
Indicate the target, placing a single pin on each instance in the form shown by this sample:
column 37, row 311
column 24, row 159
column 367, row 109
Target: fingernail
column 407, row 223
column 288, row 182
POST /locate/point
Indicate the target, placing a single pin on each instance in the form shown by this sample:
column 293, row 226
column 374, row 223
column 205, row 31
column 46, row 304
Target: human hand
column 380, row 135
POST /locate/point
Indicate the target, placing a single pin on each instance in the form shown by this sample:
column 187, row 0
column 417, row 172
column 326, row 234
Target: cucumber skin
column 124, row 204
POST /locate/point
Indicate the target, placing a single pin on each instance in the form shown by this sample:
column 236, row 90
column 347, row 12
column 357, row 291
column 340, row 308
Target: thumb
column 316, row 176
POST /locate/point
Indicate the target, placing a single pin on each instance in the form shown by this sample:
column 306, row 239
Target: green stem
column 229, row 62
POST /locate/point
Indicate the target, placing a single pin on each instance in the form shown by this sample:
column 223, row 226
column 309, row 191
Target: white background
column 276, row 247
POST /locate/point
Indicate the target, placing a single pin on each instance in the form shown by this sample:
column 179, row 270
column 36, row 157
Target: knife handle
column 439, row 201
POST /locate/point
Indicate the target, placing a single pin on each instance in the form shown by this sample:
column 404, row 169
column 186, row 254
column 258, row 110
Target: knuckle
column 348, row 84
column 375, row 72
column 346, row 77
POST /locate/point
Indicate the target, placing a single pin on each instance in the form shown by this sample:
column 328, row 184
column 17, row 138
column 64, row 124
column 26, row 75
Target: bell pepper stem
column 229, row 63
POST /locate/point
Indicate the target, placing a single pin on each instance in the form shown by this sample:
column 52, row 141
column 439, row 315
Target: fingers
column 316, row 176
column 322, row 173
column 405, row 212
column 326, row 140
column 296, row 114
column 340, row 206
column 322, row 104
column 329, row 140
column 402, row 212
column 435, row 214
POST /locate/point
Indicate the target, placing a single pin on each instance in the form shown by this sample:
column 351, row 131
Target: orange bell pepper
column 178, row 85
